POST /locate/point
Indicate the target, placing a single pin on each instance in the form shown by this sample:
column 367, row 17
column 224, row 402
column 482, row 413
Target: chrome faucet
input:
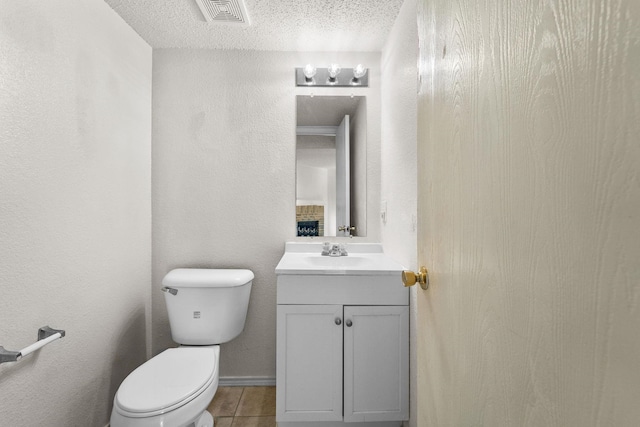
column 336, row 249
column 326, row 248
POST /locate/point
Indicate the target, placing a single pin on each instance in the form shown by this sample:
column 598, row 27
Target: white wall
column 529, row 134
column 75, row 210
column 312, row 185
column 224, row 176
column 399, row 147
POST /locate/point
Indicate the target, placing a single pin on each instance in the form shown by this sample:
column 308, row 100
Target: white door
column 376, row 363
column 529, row 214
column 309, row 363
column 343, row 178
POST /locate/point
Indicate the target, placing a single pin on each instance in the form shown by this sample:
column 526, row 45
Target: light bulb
column 359, row 71
column 309, row 71
column 333, row 70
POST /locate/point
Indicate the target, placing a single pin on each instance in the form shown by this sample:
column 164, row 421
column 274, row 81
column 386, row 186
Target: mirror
column 331, row 161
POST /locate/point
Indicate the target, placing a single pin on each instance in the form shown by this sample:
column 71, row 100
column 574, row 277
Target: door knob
column 409, row 278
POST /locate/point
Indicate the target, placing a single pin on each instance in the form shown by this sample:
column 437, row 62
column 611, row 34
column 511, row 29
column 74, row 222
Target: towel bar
column 45, row 336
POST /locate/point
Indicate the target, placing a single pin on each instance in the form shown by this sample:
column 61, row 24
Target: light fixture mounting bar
column 321, row 79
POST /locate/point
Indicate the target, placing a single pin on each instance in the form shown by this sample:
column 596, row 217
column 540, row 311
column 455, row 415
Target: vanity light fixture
column 333, row 76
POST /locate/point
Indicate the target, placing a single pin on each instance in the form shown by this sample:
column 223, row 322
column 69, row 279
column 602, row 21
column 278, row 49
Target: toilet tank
column 207, row 306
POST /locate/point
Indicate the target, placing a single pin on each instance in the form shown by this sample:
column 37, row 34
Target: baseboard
column 246, row 381
column 339, row 424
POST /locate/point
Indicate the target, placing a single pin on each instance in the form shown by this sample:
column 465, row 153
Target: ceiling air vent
column 224, row 11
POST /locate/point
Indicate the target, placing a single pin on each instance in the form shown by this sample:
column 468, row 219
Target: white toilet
column 206, row 307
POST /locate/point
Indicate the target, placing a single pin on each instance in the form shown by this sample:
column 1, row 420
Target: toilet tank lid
column 207, row 277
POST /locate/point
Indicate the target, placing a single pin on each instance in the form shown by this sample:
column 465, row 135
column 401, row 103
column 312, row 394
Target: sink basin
column 363, row 259
column 337, row 262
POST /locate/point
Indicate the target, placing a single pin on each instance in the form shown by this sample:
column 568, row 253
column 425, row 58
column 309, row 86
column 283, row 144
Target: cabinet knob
column 348, row 323
column 338, row 321
column 409, row 278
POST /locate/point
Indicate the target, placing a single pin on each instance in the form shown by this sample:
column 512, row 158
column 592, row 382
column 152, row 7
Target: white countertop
column 363, row 259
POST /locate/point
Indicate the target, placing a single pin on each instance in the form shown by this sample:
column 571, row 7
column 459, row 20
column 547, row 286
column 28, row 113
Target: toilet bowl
column 173, row 389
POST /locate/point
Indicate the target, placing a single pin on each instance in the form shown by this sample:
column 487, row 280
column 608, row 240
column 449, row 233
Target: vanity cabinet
column 309, row 363
column 376, row 363
column 342, row 363
column 342, row 339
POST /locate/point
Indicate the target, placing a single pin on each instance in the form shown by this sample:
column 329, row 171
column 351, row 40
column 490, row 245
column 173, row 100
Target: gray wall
column 75, row 207
column 224, row 176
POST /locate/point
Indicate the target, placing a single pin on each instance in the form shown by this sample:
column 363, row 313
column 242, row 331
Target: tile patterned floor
column 244, row 407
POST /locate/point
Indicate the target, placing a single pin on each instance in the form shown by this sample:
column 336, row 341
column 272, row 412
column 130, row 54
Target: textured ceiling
column 278, row 25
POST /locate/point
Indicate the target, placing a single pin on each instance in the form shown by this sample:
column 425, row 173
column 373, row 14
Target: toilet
column 206, row 307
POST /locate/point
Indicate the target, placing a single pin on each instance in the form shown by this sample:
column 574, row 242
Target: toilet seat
column 168, row 381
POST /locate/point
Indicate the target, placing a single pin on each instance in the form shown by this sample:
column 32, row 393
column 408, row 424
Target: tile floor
column 244, row 407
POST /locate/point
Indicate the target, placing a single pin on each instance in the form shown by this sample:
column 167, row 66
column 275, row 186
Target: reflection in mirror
column 331, row 166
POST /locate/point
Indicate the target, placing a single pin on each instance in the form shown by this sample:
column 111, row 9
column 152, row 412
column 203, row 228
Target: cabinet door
column 376, row 363
column 309, row 363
